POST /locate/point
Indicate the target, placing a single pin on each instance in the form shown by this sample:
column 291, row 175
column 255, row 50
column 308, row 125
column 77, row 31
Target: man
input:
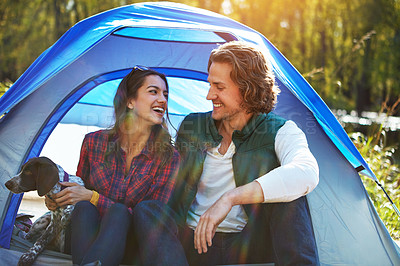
column 240, row 192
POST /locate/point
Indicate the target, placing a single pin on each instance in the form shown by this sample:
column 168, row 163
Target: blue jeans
column 279, row 233
column 99, row 238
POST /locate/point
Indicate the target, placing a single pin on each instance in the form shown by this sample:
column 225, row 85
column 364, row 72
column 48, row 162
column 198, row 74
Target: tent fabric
column 72, row 82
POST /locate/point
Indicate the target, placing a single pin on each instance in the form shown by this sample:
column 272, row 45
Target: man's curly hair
column 251, row 72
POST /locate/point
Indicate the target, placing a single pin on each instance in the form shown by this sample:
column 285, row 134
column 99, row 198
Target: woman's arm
column 164, row 181
column 160, row 189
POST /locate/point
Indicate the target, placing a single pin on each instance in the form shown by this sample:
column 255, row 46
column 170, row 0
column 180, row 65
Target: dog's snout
column 10, row 185
column 14, row 185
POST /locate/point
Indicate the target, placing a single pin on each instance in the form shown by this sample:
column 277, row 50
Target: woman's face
column 150, row 103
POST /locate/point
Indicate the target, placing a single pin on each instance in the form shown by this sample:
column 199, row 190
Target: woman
column 120, row 167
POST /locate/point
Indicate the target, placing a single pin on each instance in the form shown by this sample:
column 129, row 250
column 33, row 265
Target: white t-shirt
column 298, row 175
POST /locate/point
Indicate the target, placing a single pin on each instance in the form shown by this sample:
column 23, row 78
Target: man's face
column 224, row 93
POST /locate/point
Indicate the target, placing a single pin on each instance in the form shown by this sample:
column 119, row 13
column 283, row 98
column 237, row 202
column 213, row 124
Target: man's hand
column 72, row 194
column 209, row 222
column 248, row 194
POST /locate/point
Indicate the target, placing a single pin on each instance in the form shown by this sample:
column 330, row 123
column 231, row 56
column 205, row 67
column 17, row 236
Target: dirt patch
column 32, row 204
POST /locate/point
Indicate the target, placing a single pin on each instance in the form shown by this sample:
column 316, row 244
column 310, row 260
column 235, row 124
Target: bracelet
column 95, row 198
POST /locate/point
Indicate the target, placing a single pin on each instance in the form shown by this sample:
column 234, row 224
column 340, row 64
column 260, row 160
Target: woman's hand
column 72, row 194
column 50, row 204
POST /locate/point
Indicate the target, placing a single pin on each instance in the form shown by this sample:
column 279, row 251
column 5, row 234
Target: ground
column 32, row 204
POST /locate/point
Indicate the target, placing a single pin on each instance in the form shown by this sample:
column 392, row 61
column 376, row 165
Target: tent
column 73, row 81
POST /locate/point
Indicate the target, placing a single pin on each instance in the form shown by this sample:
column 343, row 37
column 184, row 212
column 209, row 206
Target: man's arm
column 297, row 176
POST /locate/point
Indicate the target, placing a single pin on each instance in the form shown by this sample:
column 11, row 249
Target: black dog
column 43, row 175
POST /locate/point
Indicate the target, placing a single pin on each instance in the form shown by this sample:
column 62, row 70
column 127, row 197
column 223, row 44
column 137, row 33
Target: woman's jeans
column 96, row 238
column 279, row 233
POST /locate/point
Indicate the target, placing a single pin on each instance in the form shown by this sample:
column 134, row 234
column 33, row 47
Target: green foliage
column 4, row 86
column 351, row 43
column 29, row 27
column 380, row 158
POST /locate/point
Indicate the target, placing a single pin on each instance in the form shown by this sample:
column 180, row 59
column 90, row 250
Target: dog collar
column 66, row 177
column 62, row 173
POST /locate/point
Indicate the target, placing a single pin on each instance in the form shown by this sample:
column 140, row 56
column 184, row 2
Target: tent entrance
column 90, row 107
column 91, row 104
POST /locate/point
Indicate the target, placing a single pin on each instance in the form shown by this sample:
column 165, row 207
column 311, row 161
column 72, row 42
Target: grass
column 381, row 161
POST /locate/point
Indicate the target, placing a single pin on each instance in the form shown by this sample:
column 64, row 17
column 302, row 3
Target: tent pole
column 387, row 195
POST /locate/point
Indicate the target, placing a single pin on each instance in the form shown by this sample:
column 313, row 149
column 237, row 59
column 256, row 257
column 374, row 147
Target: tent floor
column 11, row 257
column 47, row 257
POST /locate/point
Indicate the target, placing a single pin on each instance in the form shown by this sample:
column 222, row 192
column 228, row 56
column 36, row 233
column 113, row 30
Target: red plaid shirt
column 145, row 181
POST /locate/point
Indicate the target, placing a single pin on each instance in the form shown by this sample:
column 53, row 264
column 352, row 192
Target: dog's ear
column 45, row 160
column 46, row 179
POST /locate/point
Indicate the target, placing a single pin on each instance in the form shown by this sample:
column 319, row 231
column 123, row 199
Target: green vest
column 254, row 156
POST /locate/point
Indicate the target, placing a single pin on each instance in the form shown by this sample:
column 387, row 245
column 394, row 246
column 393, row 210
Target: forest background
column 349, row 51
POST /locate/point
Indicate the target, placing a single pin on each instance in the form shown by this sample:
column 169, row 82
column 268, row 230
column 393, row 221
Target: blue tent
column 73, row 82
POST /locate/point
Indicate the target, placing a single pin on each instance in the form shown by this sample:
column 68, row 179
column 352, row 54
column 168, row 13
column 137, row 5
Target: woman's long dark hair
column 127, row 89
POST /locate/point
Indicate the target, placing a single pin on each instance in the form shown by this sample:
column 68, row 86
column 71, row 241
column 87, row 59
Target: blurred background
column 349, row 51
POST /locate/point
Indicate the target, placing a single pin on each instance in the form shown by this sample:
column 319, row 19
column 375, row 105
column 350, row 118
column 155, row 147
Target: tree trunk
column 363, row 100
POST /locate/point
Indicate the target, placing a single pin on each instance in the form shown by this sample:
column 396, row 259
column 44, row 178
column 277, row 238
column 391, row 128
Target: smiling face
column 224, row 93
column 150, row 103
